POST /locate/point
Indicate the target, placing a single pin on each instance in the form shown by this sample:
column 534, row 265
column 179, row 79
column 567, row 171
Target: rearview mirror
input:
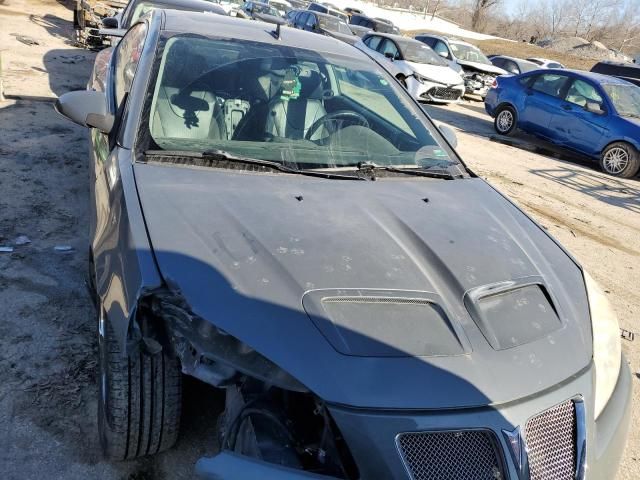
column 110, row 22
column 448, row 133
column 87, row 108
column 594, row 107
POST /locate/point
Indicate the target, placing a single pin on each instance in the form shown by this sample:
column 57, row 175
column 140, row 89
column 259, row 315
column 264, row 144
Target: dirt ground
column 47, row 323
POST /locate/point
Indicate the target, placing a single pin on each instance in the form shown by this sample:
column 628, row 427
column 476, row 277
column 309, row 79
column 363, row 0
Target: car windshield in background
column 419, row 53
column 266, row 9
column 468, row 53
column 300, row 108
column 334, row 24
column 626, row 99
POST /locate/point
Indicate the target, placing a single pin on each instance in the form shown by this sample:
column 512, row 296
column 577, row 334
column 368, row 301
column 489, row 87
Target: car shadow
column 482, row 127
column 604, row 188
column 57, row 63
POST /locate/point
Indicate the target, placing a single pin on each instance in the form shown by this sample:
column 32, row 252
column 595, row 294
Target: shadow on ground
column 609, row 190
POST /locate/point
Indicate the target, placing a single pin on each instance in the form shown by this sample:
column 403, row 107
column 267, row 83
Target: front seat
column 178, row 113
column 292, row 117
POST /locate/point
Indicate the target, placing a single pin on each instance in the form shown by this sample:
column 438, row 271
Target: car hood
column 443, row 74
column 482, row 67
column 372, row 294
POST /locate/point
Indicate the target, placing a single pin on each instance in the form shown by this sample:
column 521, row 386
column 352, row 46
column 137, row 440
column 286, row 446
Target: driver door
column 543, row 100
column 580, row 129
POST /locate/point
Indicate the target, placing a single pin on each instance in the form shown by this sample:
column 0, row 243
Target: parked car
column 426, row 76
column 135, row 9
column 513, row 65
column 258, row 11
column 595, row 115
column 353, row 11
column 361, row 24
column 416, row 326
column 231, row 7
column 625, row 71
column 282, row 6
column 394, row 29
column 322, row 23
column 476, row 69
column 319, row 7
column 546, row 63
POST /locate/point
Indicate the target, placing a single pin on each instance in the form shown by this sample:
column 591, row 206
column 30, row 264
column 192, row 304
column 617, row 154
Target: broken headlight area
column 269, row 415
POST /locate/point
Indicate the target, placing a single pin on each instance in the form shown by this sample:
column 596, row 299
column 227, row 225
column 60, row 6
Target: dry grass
column 523, row 50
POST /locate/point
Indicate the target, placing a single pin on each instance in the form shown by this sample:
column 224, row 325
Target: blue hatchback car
column 592, row 114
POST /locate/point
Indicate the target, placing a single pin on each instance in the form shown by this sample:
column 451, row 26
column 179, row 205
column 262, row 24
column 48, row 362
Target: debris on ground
column 6, row 249
column 30, row 41
column 63, row 248
column 22, row 240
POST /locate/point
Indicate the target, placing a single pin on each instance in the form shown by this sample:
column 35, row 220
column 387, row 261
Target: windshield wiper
column 223, row 156
column 367, row 167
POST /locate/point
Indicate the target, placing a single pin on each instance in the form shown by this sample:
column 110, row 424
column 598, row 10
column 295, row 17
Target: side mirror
column 448, row 133
column 594, row 107
column 443, row 54
column 110, row 22
column 87, row 108
column 389, row 55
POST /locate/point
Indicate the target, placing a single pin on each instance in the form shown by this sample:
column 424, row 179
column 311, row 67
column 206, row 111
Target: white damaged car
column 426, row 76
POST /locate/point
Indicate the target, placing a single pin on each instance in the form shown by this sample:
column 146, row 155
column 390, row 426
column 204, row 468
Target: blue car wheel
column 620, row 159
column 506, row 120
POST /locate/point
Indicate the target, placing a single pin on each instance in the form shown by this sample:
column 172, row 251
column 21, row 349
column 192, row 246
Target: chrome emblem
column 518, row 451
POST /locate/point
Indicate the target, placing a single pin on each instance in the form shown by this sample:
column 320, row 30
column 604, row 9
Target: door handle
column 567, row 107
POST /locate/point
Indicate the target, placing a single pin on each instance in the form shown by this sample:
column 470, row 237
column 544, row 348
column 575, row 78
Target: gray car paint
column 259, row 253
column 128, row 269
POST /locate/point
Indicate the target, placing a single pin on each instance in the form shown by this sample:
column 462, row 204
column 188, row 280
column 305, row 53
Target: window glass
column 468, row 52
column 511, row 67
column 373, row 41
column 625, row 98
column 127, row 58
column 554, row 65
column 498, row 62
column 311, row 20
column 582, row 92
column 441, row 49
column 549, row 83
column 287, row 105
column 389, row 48
column 302, row 19
column 140, row 10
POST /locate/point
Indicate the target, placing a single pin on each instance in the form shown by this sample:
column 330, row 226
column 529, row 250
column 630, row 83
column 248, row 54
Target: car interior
column 230, row 97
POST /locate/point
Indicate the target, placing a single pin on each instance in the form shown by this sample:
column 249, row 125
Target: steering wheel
column 345, row 115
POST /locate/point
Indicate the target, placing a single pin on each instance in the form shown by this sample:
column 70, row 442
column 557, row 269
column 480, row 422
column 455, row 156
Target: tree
column 480, row 9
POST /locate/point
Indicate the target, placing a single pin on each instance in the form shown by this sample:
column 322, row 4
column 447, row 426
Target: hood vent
column 389, row 324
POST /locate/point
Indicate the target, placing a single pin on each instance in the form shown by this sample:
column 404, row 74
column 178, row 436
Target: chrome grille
column 444, row 93
column 452, row 455
column 551, row 443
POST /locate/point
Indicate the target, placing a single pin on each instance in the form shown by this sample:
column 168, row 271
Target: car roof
column 195, row 5
column 594, row 77
column 515, row 59
column 396, row 37
column 250, row 30
column 325, row 15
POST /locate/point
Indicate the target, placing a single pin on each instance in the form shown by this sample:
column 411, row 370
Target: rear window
column 550, row 84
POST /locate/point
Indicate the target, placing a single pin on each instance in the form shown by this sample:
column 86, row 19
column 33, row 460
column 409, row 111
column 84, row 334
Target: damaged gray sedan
column 274, row 215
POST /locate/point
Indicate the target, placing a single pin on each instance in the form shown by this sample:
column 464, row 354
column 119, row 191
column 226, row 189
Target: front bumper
column 371, row 435
column 434, row 92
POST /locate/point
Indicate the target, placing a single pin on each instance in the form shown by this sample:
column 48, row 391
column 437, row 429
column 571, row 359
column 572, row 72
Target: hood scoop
column 513, row 313
column 374, row 323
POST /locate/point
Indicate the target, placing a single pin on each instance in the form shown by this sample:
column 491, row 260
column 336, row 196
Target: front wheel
column 621, row 160
column 505, row 121
column 139, row 398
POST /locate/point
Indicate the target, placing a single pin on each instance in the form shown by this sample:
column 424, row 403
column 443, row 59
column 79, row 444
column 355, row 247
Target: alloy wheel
column 505, row 121
column 615, row 160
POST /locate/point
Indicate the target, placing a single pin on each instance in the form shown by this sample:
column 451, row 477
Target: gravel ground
column 47, row 322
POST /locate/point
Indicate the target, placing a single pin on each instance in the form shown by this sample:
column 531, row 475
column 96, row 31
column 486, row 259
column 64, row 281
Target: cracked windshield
column 300, row 108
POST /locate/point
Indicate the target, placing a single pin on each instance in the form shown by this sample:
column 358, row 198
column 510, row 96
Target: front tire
column 505, row 121
column 620, row 160
column 139, row 400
